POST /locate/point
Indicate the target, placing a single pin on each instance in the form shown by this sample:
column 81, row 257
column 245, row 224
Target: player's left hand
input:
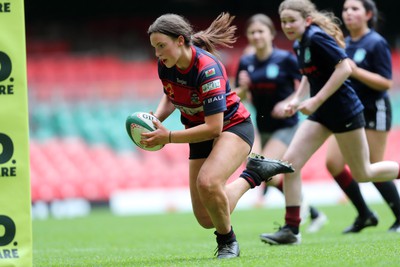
column 160, row 136
column 308, row 106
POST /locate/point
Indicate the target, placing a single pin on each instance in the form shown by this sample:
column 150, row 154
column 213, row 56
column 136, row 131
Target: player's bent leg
column 261, row 169
column 199, row 210
column 229, row 152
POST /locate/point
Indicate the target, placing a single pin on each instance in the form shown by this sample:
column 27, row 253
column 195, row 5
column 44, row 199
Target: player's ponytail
column 219, row 33
column 330, row 24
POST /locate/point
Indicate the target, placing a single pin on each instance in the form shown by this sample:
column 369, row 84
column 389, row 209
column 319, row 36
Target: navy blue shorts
column 244, row 130
column 341, row 126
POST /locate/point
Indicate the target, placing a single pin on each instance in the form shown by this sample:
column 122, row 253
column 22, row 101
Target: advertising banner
column 15, row 196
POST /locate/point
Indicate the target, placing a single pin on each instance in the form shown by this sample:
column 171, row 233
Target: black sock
column 354, row 193
column 295, row 230
column 352, row 190
column 389, row 192
column 313, row 212
column 251, row 177
column 225, row 238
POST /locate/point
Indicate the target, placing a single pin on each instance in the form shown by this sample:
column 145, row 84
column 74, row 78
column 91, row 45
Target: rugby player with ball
column 218, row 127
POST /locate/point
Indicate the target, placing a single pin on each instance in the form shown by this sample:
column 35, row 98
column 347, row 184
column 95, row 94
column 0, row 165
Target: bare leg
column 354, row 148
column 212, row 202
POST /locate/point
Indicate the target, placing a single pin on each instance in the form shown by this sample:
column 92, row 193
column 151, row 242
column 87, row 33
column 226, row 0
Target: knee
column 204, row 221
column 206, row 185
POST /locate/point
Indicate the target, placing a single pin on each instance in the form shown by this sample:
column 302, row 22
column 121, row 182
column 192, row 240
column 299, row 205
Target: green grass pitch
column 176, row 239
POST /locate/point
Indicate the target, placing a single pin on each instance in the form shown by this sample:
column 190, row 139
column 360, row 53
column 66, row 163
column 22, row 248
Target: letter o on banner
column 15, row 190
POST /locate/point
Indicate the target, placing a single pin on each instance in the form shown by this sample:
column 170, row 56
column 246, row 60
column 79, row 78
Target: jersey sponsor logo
column 211, row 86
column 308, row 70
column 210, row 72
column 214, row 99
column 181, row 81
column 189, row 111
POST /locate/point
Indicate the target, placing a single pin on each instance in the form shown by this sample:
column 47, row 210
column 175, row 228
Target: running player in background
column 218, row 127
column 325, row 94
column 371, row 78
column 268, row 74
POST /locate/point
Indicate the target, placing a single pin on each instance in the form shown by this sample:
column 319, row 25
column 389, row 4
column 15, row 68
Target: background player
column 332, row 107
column 268, row 75
column 371, row 78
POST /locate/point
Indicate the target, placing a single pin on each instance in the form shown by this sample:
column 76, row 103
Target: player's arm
column 214, row 104
column 244, row 83
column 371, row 79
column 380, row 78
column 164, row 109
column 278, row 111
column 303, row 90
column 211, row 129
column 301, row 93
column 340, row 74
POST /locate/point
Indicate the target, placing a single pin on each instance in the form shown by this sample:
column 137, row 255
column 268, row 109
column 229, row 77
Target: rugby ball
column 141, row 122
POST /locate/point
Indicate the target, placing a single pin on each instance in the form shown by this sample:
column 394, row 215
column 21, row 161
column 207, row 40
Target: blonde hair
column 219, row 33
column 326, row 20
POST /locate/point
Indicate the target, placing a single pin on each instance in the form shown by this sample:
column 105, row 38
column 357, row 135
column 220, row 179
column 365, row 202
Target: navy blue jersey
column 318, row 54
column 202, row 90
column 272, row 80
column 371, row 53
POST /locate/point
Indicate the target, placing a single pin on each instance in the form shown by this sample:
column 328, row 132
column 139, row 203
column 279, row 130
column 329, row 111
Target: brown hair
column 370, row 5
column 326, row 20
column 219, row 33
column 263, row 19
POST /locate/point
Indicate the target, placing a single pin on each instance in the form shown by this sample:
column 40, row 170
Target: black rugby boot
column 266, row 168
column 362, row 222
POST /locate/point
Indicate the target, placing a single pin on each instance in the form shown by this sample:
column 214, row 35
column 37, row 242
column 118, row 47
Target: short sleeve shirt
column 371, row 53
column 272, row 80
column 318, row 54
column 202, row 90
